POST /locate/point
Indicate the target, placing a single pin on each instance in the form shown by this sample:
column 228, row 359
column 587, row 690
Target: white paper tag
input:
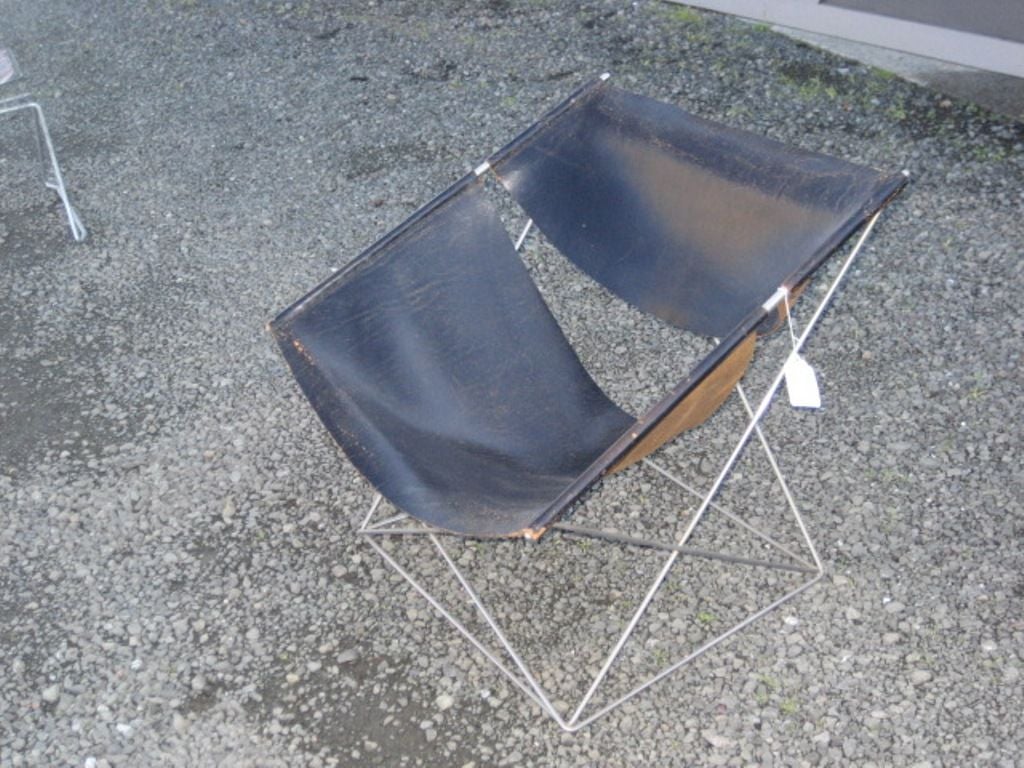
column 801, row 383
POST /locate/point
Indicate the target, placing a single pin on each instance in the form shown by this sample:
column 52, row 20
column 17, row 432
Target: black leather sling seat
column 687, row 219
column 436, row 365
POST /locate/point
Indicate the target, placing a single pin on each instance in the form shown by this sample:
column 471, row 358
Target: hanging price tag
column 801, row 383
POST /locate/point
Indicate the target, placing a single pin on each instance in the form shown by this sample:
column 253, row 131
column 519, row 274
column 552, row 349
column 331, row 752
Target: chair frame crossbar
column 518, row 672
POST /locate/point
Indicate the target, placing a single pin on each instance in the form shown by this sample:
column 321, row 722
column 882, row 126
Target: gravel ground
column 180, row 583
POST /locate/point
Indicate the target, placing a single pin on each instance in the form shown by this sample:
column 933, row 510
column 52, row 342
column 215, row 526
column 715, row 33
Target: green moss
column 684, row 15
column 987, row 153
column 706, row 618
column 770, row 682
column 814, row 88
column 897, row 112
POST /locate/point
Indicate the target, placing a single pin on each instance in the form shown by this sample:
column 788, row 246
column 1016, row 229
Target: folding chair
column 436, row 365
column 52, row 176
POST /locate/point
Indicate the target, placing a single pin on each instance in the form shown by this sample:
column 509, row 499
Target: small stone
column 51, row 694
column 920, row 676
column 348, row 655
column 716, row 740
column 124, row 729
column 444, row 701
column 198, row 683
column 228, row 513
column 291, row 678
column 252, row 635
column 179, row 723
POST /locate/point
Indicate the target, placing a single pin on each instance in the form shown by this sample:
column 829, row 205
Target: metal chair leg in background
column 52, row 176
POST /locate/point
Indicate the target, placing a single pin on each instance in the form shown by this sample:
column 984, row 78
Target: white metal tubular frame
column 52, row 176
column 517, row 672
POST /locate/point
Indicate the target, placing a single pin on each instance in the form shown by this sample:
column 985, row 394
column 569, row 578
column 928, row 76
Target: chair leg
column 55, row 180
column 52, row 176
column 753, row 424
column 518, row 672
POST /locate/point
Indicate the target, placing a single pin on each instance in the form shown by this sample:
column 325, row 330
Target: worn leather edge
column 697, row 407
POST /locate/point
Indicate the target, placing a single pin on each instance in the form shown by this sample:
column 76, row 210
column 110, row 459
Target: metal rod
column 537, row 694
column 720, row 479
column 541, row 695
column 839, row 278
column 575, row 726
column 386, row 521
column 622, row 538
column 583, row 531
column 730, row 515
column 548, row 708
column 373, row 508
column 455, row 623
column 400, row 532
column 522, row 237
column 54, row 179
column 782, row 483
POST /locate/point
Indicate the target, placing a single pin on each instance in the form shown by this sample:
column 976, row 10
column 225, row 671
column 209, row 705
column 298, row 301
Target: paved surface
column 995, row 91
column 179, row 579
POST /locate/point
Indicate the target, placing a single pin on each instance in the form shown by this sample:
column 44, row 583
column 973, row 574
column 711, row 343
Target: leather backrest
column 687, row 219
